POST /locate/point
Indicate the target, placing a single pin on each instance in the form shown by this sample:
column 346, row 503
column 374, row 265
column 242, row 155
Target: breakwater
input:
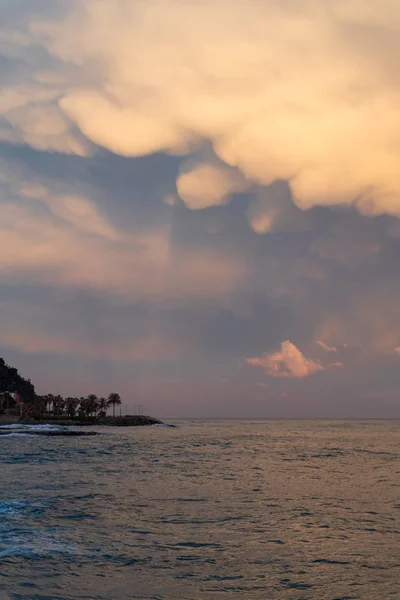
column 124, row 421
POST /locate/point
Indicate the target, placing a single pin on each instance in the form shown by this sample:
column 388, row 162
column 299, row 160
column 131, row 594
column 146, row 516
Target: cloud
column 45, row 127
column 147, row 349
column 54, row 236
column 204, row 185
column 142, row 266
column 349, row 251
column 365, row 320
column 289, row 362
column 271, row 210
column 326, row 347
column 305, row 92
column 74, row 209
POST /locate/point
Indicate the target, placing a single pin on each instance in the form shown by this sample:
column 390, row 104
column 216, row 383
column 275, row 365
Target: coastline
column 126, row 421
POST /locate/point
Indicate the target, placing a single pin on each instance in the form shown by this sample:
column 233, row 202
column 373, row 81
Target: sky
column 200, row 201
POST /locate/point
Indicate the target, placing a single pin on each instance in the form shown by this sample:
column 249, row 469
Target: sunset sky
column 200, row 203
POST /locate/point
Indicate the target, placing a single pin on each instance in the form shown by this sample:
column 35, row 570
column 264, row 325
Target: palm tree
column 92, row 403
column 58, row 405
column 103, row 405
column 83, row 407
column 72, row 405
column 114, row 399
column 49, row 398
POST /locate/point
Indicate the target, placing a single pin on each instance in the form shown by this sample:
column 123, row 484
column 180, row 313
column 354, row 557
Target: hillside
column 11, row 381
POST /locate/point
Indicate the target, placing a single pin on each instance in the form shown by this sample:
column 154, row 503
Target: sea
column 211, row 509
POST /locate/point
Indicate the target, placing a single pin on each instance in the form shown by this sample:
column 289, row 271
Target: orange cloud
column 303, row 91
column 203, row 185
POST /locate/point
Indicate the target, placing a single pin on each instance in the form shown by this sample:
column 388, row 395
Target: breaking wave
column 26, row 427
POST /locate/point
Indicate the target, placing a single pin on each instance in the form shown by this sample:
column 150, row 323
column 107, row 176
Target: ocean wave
column 12, row 507
column 26, row 427
column 38, row 549
column 16, row 434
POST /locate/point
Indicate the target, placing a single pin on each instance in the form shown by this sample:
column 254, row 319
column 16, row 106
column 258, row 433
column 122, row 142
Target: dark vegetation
column 59, row 408
column 11, row 381
column 49, row 406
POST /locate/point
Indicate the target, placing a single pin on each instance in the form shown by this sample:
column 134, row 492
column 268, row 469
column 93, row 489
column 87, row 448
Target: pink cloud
column 78, row 247
column 289, row 362
column 151, row 348
column 326, row 347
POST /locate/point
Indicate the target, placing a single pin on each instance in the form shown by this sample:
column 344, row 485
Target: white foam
column 17, row 434
column 26, row 427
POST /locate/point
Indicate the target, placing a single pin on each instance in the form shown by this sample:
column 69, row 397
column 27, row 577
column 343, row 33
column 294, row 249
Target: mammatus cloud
column 289, row 362
column 271, row 209
column 305, row 92
column 204, row 185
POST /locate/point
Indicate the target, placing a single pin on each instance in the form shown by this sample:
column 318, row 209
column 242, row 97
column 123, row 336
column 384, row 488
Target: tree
column 58, row 405
column 93, row 404
column 114, row 399
column 103, row 405
column 11, row 381
column 72, row 405
column 49, row 401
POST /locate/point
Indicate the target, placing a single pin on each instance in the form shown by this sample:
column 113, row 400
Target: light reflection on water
column 215, row 509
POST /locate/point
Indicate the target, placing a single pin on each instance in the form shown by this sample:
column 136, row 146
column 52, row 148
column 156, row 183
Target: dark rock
column 129, row 421
column 126, row 421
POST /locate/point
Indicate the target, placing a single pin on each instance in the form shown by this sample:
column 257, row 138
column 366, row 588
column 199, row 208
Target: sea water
column 210, row 510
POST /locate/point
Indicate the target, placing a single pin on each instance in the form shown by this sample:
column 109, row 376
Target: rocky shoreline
column 127, row 421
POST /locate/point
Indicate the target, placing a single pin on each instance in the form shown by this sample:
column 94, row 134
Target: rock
column 129, row 421
column 125, row 421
